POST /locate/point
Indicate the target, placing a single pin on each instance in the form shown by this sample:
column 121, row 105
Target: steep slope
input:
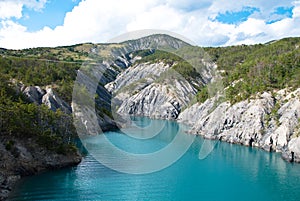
column 260, row 106
column 268, row 122
column 115, row 58
column 159, row 85
column 33, row 137
column 159, row 100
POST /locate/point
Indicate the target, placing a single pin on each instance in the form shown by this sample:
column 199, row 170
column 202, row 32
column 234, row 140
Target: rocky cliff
column 117, row 70
column 269, row 121
column 24, row 157
column 45, row 96
column 152, row 90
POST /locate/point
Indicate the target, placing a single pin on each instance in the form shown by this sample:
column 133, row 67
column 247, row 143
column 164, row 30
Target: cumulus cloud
column 99, row 21
column 13, row 8
column 10, row 9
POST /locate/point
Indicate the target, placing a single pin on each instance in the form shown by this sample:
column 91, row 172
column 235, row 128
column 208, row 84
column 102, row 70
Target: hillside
column 241, row 94
column 258, row 68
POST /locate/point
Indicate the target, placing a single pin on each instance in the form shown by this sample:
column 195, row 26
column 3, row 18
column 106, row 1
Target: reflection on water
column 229, row 172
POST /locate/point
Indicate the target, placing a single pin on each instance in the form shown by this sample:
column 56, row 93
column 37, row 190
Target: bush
column 9, row 145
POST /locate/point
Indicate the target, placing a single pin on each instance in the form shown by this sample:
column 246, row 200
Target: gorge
column 234, row 94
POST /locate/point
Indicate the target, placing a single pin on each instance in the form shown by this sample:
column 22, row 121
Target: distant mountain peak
column 157, row 41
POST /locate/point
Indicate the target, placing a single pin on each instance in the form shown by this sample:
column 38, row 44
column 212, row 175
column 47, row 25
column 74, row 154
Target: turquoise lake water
column 230, row 172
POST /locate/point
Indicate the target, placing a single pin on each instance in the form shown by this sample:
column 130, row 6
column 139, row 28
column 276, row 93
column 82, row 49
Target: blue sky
column 52, row 15
column 33, row 23
column 230, row 17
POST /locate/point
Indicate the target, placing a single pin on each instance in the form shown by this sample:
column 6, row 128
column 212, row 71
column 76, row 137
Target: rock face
column 140, row 91
column 83, row 106
column 271, row 123
column 23, row 157
column 54, row 103
column 293, row 150
column 136, row 73
column 34, row 94
column 46, row 96
column 114, row 73
column 158, row 101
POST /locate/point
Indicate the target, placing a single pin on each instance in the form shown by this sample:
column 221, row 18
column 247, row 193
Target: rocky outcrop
column 52, row 100
column 34, row 93
column 268, row 122
column 88, row 120
column 136, row 73
column 292, row 153
column 48, row 96
column 158, row 100
column 23, row 157
column 140, row 90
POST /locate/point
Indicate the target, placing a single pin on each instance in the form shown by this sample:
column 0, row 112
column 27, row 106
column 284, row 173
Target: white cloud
column 296, row 10
column 265, row 7
column 99, row 21
column 10, row 9
column 160, row 17
column 34, row 4
column 13, row 8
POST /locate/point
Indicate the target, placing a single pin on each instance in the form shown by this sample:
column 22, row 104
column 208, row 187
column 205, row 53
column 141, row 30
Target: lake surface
column 230, row 172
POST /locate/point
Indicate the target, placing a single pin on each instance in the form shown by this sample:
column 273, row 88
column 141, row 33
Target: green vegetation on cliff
column 37, row 72
column 21, row 119
column 179, row 64
column 258, row 68
column 245, row 69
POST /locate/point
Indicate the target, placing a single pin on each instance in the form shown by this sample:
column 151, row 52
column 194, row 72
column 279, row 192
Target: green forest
column 21, row 119
column 252, row 68
column 258, row 68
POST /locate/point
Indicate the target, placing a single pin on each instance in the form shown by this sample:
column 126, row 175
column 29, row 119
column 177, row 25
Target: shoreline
column 27, row 158
column 284, row 155
column 8, row 181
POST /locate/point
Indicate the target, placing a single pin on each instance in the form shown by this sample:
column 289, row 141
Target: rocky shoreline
column 269, row 121
column 24, row 157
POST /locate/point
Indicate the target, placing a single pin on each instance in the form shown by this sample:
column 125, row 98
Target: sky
column 50, row 23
